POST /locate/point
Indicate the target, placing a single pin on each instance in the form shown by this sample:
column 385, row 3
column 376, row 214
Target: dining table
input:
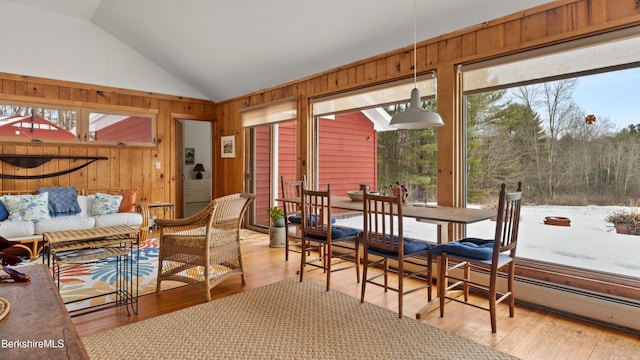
column 441, row 216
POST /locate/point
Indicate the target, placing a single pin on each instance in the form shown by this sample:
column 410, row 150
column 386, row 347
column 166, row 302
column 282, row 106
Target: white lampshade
column 415, row 117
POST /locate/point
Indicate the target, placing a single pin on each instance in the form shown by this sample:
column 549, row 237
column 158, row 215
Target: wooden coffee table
column 83, row 246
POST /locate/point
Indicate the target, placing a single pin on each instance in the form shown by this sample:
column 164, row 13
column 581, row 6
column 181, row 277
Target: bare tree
column 554, row 103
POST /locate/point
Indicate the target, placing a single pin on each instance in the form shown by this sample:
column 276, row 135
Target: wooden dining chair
column 318, row 230
column 384, row 241
column 292, row 190
column 487, row 255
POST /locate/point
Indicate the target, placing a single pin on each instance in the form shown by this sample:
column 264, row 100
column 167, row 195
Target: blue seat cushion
column 474, row 248
column 340, row 232
column 297, row 219
column 411, row 246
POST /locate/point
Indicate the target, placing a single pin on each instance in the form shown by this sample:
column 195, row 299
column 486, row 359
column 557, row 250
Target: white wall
column 197, row 135
column 45, row 44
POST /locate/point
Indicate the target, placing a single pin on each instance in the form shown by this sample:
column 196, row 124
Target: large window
column 28, row 122
column 354, row 145
column 565, row 123
column 121, row 129
column 35, row 123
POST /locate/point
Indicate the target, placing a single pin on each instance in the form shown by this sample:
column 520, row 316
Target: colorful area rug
column 285, row 320
column 80, row 281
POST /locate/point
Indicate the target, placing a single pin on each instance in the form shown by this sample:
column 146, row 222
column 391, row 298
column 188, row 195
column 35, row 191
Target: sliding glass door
column 272, row 153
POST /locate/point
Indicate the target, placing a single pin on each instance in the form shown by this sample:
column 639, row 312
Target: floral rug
column 80, row 281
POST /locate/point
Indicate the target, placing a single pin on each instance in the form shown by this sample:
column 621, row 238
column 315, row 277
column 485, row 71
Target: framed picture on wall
column 189, row 156
column 228, row 146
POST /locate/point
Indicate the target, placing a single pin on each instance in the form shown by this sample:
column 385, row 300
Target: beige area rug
column 284, row 320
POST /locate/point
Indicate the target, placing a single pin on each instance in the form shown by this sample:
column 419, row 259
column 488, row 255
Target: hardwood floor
column 531, row 334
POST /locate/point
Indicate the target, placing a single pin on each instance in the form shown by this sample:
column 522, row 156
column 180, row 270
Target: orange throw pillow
column 128, row 203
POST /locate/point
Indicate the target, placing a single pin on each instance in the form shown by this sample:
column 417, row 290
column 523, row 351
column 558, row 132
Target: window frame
column 82, row 122
column 47, row 106
column 565, row 276
column 87, row 111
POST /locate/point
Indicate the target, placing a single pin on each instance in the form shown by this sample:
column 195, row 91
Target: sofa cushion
column 128, row 203
column 64, row 223
column 131, row 219
column 85, row 203
column 16, row 229
column 62, row 200
column 104, row 204
column 27, row 207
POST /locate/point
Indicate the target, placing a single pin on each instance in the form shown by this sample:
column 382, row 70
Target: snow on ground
column 589, row 243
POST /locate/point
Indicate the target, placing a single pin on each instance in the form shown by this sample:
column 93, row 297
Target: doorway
column 196, row 163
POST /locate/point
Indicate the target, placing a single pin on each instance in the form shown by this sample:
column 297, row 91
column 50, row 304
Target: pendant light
column 415, row 117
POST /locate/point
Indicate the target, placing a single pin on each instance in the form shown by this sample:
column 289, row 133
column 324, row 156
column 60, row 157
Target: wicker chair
column 204, row 249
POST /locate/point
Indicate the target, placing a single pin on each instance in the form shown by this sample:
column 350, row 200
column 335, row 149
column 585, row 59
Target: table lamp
column 199, row 168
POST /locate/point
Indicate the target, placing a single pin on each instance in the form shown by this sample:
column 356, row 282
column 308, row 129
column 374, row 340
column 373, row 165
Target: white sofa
column 27, row 234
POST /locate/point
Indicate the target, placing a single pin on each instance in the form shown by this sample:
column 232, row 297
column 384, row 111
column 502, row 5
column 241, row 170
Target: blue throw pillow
column 63, row 201
column 473, row 248
column 4, row 214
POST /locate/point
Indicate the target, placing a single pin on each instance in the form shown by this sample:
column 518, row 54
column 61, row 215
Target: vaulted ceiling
column 225, row 49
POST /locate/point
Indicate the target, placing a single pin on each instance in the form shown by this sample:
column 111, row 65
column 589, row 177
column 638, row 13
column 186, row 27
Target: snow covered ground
column 589, row 243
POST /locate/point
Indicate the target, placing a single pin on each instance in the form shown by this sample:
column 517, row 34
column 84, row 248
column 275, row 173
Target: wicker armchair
column 204, row 249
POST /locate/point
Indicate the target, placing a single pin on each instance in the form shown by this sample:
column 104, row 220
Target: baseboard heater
column 601, row 308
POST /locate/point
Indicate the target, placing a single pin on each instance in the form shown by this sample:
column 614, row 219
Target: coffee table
column 90, row 245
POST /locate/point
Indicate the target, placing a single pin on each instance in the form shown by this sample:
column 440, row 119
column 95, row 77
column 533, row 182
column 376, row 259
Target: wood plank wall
column 135, row 166
column 544, row 25
column 127, row 166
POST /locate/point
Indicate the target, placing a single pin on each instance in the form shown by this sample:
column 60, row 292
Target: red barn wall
column 131, row 129
column 347, row 153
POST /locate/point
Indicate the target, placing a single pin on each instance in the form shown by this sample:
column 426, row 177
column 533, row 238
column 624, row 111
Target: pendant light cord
column 415, row 64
